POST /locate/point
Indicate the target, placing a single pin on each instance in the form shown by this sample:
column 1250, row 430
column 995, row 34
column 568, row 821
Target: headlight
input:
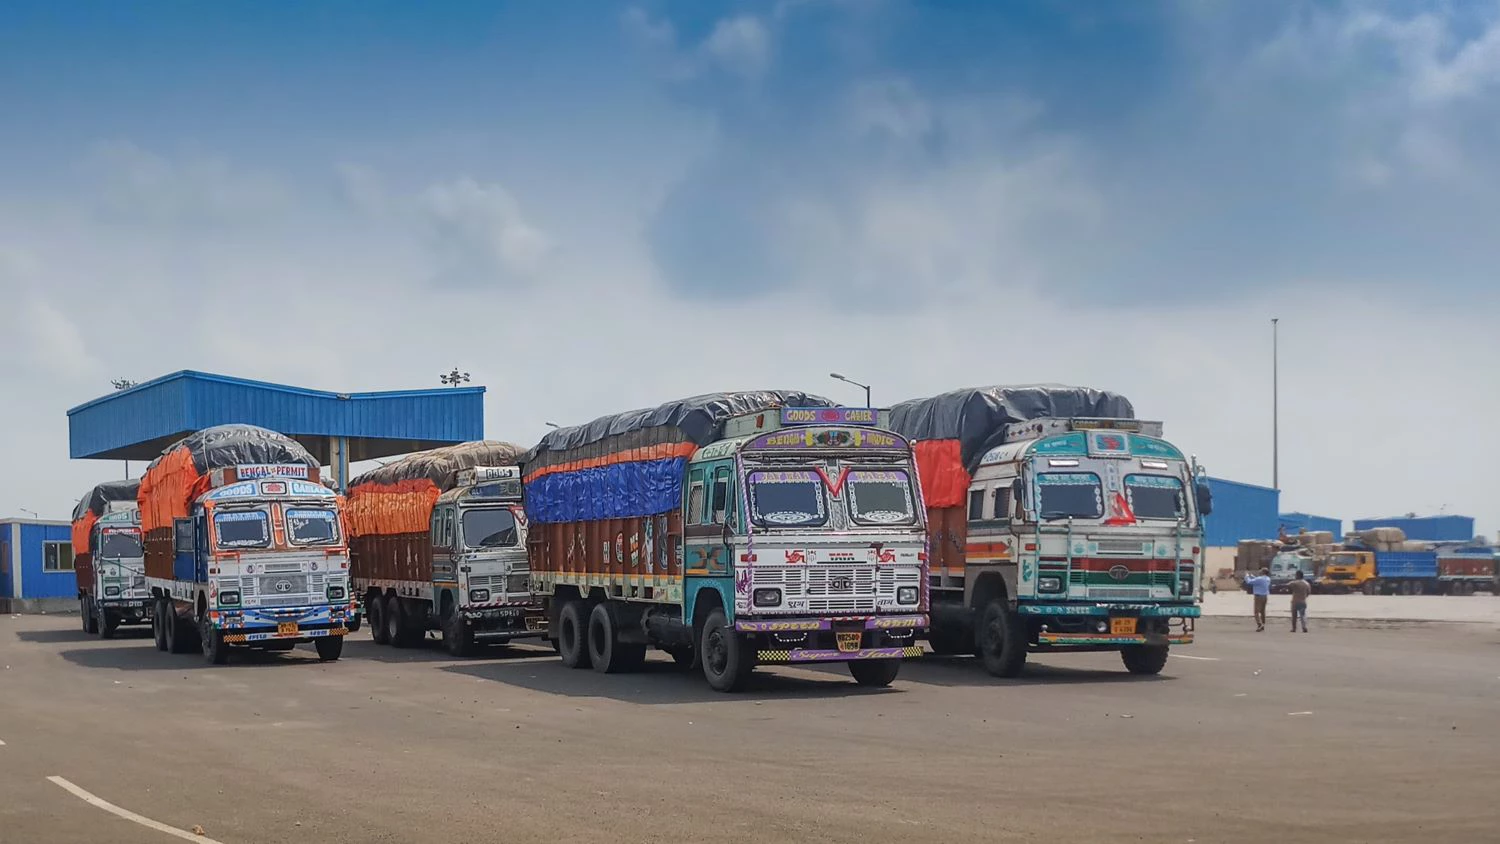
column 906, row 595
column 1101, row 626
column 767, row 597
column 336, row 593
column 479, row 596
column 1049, row 584
column 229, row 599
column 1185, row 586
column 111, row 591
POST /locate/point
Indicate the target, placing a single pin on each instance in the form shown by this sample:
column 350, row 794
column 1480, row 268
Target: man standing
column 1300, row 589
column 1260, row 587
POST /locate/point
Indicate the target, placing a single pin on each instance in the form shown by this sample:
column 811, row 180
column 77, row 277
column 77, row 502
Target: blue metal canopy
column 136, row 424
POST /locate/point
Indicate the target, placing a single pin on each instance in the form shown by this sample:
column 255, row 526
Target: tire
column 86, row 609
column 105, row 624
column 572, row 635
column 215, row 650
column 1001, row 640
column 353, row 623
column 607, row 653
column 949, row 641
column 1371, row 587
column 394, row 616
column 458, row 633
column 159, row 625
column 727, row 658
column 1418, row 587
column 875, row 672
column 1144, row 659
column 329, row 648
column 375, row 606
column 181, row 637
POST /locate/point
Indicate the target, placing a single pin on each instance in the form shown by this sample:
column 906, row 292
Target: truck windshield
column 243, row 529
column 120, row 545
column 787, row 498
column 880, row 497
column 1343, row 560
column 490, row 527
column 1155, row 497
column 1069, row 494
column 312, row 527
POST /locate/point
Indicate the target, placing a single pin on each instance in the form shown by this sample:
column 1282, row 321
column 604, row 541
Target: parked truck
column 1454, row 570
column 730, row 530
column 1059, row 523
column 243, row 546
column 437, row 541
column 107, row 559
column 1465, row 569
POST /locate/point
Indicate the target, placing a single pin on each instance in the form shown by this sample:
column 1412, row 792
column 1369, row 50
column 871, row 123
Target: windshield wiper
column 1055, row 515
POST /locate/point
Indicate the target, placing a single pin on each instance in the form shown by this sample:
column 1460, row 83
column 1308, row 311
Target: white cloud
column 741, row 45
column 481, row 233
column 143, row 186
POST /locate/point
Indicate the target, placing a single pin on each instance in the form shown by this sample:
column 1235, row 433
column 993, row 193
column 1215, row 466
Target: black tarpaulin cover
column 100, row 497
column 442, row 465
column 976, row 416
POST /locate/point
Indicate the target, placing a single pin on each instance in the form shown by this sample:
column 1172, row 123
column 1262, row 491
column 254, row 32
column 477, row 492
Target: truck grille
column 502, row 583
column 268, row 589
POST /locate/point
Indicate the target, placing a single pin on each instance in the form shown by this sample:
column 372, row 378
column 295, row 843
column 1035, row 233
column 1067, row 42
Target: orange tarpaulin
column 82, row 527
column 940, row 465
column 385, row 509
column 169, row 488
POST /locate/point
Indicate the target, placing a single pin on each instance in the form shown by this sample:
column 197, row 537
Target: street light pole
column 1275, row 404
column 838, row 377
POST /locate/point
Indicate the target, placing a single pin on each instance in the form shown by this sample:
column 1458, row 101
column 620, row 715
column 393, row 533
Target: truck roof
column 1085, row 443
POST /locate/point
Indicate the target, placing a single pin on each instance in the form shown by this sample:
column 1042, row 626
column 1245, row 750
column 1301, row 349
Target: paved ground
column 1356, row 732
column 1482, row 607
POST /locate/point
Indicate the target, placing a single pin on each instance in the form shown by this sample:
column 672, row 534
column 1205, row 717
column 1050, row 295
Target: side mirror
column 728, row 534
column 1205, row 497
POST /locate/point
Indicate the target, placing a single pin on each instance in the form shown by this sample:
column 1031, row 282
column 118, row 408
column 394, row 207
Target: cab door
column 443, row 531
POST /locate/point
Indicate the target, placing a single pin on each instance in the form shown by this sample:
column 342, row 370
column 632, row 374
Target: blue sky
column 1119, row 194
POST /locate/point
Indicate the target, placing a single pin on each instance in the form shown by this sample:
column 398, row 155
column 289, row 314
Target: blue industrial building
column 1425, row 528
column 36, row 560
column 338, row 428
column 1295, row 523
column 1241, row 511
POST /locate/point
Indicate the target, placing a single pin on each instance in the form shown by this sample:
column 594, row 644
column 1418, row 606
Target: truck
column 244, row 547
column 437, row 541
column 730, row 530
column 1059, row 523
column 1451, row 571
column 107, row 559
column 1285, row 565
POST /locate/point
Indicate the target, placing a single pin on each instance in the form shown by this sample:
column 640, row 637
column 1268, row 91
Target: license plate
column 1122, row 626
column 286, row 628
column 848, row 642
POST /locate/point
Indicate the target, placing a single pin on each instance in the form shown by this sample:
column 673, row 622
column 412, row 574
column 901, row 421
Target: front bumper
column 507, row 620
column 806, row 640
column 1066, row 625
column 284, row 623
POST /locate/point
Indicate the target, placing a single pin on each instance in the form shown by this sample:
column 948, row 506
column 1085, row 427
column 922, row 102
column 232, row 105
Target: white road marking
column 1299, row 713
column 1203, row 658
column 2, row 743
column 129, row 815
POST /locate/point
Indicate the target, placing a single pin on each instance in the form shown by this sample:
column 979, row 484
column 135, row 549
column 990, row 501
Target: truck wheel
column 397, row 628
column 1371, row 588
column 727, row 658
column 181, row 637
column 375, row 606
column 948, row 640
column 329, row 648
column 105, row 623
column 1144, row 659
column 571, row 634
column 1418, row 587
column 1001, row 639
column 215, row 651
column 458, row 633
column 353, row 622
column 875, row 672
column 607, row 653
column 86, row 610
column 159, row 624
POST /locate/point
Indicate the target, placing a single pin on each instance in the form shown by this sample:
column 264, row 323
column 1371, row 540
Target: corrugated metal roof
column 1241, row 511
column 1425, row 528
column 136, row 424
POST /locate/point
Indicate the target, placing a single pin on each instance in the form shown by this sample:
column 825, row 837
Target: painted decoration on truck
column 820, row 438
column 828, row 416
column 1149, row 447
column 1068, row 444
column 270, row 470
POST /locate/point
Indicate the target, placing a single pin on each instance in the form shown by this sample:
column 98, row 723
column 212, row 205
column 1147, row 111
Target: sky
column 595, row 207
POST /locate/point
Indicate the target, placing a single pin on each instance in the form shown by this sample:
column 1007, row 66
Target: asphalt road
column 1355, row 732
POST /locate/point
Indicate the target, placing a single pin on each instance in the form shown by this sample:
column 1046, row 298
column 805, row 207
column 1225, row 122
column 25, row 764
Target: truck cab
column 480, row 574
column 118, row 572
column 1350, row 571
column 1082, row 534
column 260, row 562
column 1284, row 568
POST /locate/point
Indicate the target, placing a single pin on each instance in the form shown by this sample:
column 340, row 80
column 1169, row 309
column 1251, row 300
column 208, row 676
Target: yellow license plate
column 849, row 642
column 1122, row 626
column 286, row 628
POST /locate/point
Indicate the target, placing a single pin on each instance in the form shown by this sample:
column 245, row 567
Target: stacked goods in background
column 954, row 430
column 1255, row 554
column 108, row 497
column 389, row 509
column 605, row 498
column 1380, row 539
column 173, row 481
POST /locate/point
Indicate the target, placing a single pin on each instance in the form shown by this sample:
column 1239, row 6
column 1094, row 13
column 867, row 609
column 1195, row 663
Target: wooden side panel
column 159, row 552
column 639, row 551
column 401, row 556
column 948, row 532
column 83, row 572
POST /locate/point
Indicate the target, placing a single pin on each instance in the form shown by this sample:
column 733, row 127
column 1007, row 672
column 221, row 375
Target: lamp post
column 32, row 512
column 837, row 377
column 1275, row 404
column 454, row 378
